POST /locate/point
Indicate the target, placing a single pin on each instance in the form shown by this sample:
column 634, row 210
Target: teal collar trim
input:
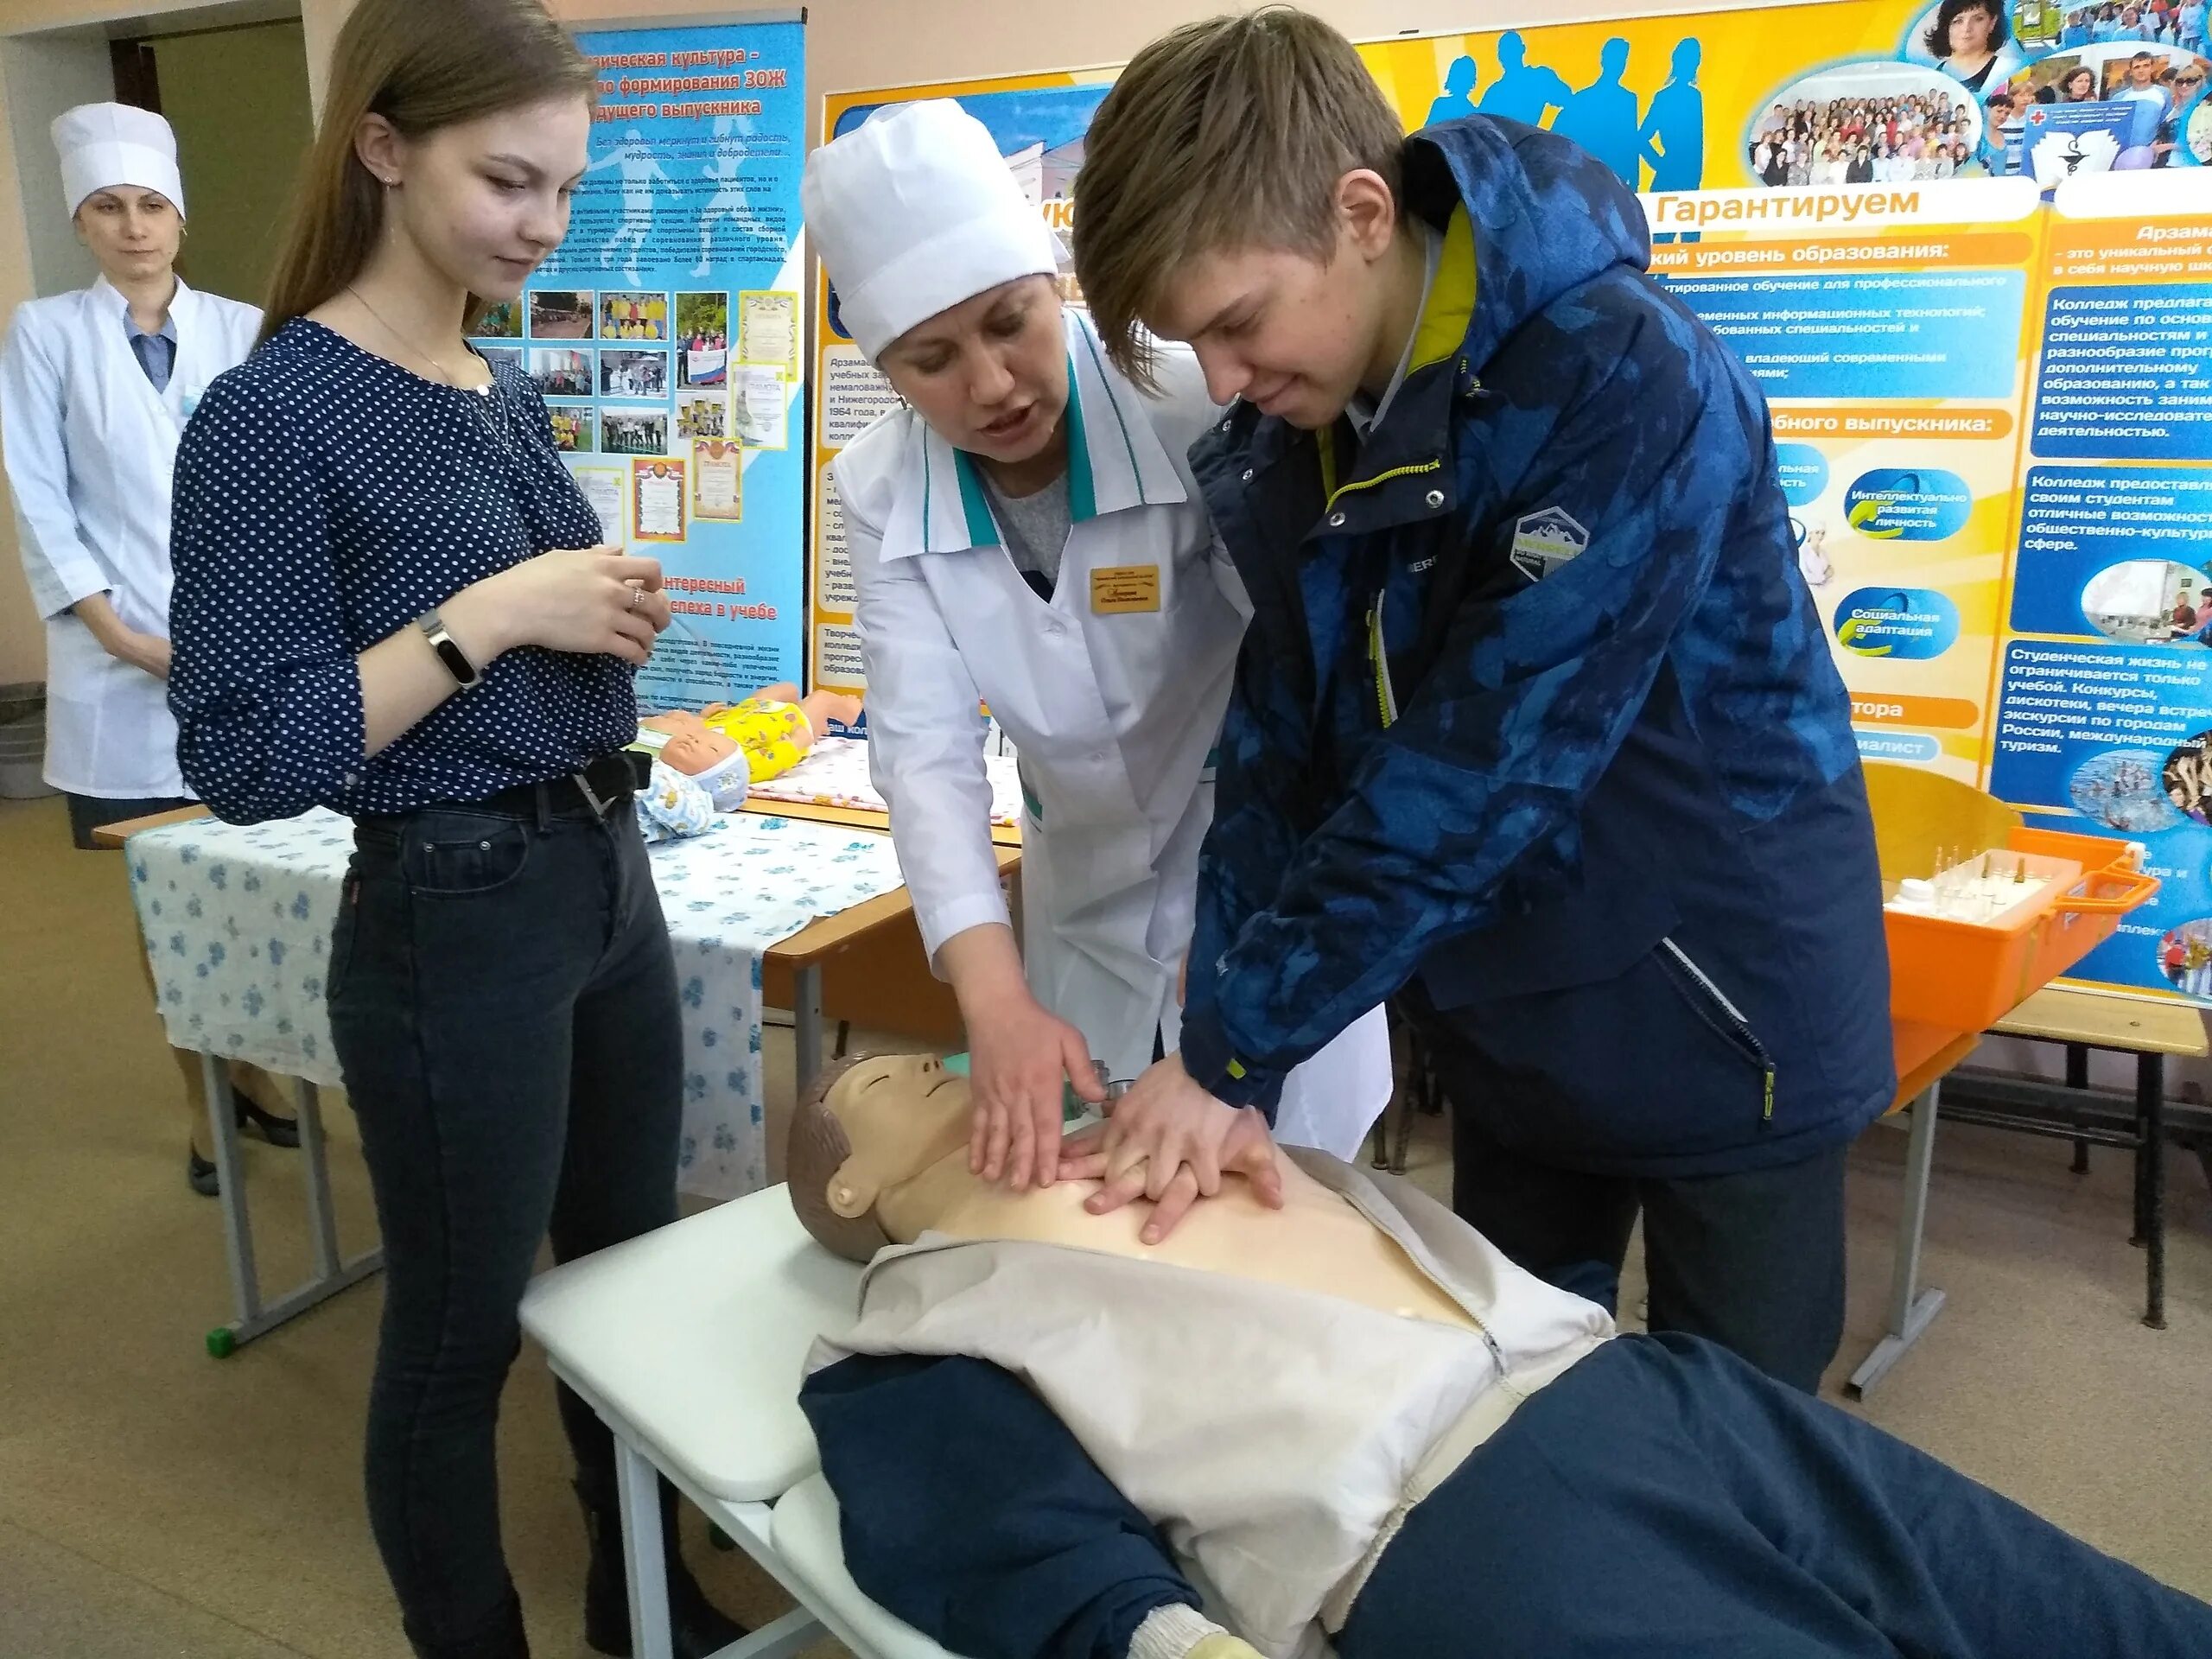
column 1083, row 485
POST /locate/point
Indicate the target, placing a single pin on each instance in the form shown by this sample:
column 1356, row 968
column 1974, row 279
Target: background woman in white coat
column 95, row 388
column 1026, row 534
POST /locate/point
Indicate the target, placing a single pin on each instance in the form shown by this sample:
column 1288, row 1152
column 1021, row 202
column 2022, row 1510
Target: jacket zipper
column 1386, row 695
column 1736, row 1021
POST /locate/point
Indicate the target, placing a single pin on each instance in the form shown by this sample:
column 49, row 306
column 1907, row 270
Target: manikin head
column 693, row 747
column 861, row 1132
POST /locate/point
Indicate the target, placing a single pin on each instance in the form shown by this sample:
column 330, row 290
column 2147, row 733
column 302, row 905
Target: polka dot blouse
column 325, row 499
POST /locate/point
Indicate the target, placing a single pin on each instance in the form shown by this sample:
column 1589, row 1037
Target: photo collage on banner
column 1856, row 197
column 663, row 336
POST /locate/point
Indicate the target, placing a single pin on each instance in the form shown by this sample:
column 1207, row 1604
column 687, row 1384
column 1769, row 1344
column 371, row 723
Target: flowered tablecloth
column 835, row 774
column 238, row 923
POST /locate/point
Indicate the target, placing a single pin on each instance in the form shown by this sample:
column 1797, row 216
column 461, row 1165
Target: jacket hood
column 1547, row 217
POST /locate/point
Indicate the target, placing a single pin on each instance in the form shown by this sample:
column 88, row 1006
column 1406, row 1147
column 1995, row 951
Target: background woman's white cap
column 103, row 145
column 915, row 211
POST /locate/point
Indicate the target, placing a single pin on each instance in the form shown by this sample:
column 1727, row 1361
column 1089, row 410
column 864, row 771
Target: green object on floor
column 222, row 1342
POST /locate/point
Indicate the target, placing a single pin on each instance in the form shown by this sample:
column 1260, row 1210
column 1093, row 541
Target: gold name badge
column 1117, row 590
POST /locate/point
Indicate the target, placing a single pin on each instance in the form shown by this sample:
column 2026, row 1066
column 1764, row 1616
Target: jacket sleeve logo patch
column 1544, row 541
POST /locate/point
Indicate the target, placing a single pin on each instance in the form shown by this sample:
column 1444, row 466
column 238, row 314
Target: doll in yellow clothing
column 775, row 726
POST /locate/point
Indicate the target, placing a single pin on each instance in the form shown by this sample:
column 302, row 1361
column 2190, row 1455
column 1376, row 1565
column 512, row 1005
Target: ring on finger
column 637, row 597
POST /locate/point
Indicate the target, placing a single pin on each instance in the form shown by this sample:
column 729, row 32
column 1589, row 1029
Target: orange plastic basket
column 1967, row 976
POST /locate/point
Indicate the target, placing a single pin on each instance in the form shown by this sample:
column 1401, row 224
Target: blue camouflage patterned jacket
column 1534, row 728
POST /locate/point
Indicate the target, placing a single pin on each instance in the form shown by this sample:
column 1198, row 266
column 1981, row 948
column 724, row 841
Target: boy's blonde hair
column 1227, row 133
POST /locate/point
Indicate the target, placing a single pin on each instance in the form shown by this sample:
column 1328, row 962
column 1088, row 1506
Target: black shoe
column 201, row 1174
column 276, row 1131
column 502, row 1639
column 699, row 1628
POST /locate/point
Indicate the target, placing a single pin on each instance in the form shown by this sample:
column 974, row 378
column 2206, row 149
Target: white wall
column 45, row 74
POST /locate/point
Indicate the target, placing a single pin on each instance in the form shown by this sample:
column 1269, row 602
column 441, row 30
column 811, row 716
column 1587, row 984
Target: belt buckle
column 583, row 781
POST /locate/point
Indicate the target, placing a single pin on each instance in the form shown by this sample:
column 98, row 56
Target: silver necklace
column 402, row 341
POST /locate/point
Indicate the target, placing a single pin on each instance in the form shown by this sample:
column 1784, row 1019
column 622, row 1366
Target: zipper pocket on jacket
column 1733, row 1018
column 1386, row 695
column 1414, row 471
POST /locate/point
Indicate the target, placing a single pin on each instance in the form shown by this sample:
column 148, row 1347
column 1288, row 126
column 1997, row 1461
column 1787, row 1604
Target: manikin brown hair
column 421, row 67
column 814, row 1151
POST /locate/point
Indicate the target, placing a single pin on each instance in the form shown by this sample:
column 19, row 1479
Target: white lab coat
column 90, row 449
column 1114, row 715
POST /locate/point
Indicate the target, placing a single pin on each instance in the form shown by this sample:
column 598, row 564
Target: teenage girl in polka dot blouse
column 389, row 602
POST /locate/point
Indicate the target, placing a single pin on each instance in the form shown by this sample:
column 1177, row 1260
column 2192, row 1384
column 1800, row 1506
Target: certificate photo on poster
column 767, row 329
column 656, row 499
column 763, row 404
column 603, row 489
column 718, row 480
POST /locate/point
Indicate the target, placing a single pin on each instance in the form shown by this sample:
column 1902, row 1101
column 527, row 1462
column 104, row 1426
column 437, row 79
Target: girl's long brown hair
column 421, row 64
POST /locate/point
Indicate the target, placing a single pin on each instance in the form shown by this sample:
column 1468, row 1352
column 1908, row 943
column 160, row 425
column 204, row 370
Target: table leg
column 643, row 1553
column 806, row 1022
column 230, row 1169
column 314, row 1153
column 2077, row 1077
column 2150, row 1107
column 1911, row 1309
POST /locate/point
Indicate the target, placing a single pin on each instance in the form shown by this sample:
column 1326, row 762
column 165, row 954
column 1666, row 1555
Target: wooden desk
column 859, row 817
column 866, row 966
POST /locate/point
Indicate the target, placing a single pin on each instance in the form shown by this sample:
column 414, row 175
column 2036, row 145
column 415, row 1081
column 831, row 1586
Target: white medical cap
column 103, row 145
column 915, row 211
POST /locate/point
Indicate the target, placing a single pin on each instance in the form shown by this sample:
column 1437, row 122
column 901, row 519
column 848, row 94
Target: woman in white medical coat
column 95, row 388
column 1026, row 534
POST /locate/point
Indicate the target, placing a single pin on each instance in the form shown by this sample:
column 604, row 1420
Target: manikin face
column 901, row 1113
column 990, row 375
column 486, row 200
column 1291, row 334
column 132, row 233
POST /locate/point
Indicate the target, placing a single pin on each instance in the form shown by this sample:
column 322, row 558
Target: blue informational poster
column 2105, row 679
column 664, row 336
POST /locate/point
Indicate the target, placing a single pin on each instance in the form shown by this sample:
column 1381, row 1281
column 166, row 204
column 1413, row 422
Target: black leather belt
column 607, row 782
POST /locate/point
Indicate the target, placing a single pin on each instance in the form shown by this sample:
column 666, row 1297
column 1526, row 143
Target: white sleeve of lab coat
column 61, row 567
column 925, row 743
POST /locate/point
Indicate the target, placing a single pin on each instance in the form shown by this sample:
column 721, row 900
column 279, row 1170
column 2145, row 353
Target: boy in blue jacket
column 1535, row 730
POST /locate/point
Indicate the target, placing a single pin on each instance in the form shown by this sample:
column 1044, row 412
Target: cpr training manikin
column 1349, row 1424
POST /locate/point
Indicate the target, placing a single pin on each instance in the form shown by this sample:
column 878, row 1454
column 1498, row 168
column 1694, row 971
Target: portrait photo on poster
column 633, row 432
column 560, row 314
column 561, row 372
column 573, row 426
column 702, row 339
column 626, row 314
column 701, row 414
column 630, row 373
